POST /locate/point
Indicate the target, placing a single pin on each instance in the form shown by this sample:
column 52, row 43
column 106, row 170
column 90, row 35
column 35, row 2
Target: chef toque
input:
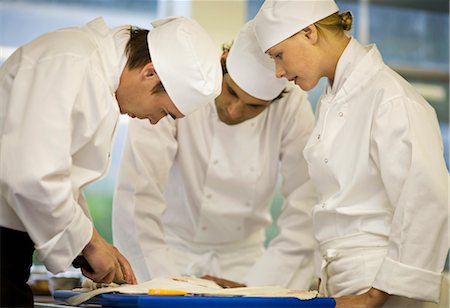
column 187, row 61
column 251, row 69
column 278, row 20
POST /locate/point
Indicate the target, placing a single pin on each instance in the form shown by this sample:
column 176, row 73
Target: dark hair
column 137, row 48
column 138, row 53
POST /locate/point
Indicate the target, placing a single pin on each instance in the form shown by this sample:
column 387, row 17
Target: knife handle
column 81, row 262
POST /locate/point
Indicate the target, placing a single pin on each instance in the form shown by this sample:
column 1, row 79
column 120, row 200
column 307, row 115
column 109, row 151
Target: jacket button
column 326, row 160
column 341, row 114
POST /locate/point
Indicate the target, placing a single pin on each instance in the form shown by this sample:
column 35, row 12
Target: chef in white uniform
column 61, row 97
column 375, row 156
column 194, row 194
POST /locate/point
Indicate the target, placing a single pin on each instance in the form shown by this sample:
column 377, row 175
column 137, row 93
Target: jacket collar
column 355, row 67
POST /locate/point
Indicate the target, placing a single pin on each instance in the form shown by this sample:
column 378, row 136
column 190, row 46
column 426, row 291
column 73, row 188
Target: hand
column 224, row 283
column 107, row 263
column 373, row 298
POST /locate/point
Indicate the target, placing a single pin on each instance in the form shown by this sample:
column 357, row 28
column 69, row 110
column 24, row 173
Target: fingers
column 107, row 263
column 99, row 277
column 125, row 269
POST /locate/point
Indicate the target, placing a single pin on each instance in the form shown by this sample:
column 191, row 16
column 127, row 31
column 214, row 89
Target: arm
column 36, row 157
column 139, row 201
column 288, row 260
column 373, row 298
column 36, row 162
column 407, row 147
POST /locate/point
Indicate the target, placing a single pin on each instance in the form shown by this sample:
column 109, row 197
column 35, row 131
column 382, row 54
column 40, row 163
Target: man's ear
column 224, row 56
column 148, row 71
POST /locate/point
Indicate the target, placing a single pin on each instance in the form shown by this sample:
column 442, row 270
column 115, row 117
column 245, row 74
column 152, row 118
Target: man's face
column 137, row 99
column 235, row 106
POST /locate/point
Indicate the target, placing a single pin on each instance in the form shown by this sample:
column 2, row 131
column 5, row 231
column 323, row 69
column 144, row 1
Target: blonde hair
column 336, row 22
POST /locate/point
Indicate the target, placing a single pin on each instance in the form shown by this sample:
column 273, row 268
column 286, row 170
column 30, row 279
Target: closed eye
column 231, row 91
column 256, row 106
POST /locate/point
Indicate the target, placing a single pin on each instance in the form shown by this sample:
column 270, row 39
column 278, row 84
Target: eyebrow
column 271, row 53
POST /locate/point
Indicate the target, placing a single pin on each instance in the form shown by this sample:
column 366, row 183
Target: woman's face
column 296, row 58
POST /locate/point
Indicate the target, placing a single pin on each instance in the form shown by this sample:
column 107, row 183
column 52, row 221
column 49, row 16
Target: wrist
column 377, row 297
column 92, row 242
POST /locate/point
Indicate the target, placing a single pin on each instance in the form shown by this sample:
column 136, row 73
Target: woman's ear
column 311, row 34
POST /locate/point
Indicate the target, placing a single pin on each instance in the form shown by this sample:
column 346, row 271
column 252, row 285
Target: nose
column 235, row 109
column 279, row 70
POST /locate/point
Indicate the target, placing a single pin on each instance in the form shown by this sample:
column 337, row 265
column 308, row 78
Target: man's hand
column 224, row 283
column 107, row 263
column 373, row 298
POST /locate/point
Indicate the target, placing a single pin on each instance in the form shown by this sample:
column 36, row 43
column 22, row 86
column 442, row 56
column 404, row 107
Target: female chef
column 61, row 99
column 375, row 156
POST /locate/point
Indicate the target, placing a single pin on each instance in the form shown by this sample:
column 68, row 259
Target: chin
column 229, row 122
column 306, row 86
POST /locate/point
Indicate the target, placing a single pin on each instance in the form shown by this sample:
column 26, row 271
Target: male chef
column 194, row 194
column 61, row 97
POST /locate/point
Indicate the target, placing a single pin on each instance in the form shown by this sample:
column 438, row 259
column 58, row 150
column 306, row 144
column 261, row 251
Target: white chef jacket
column 57, row 121
column 220, row 180
column 376, row 158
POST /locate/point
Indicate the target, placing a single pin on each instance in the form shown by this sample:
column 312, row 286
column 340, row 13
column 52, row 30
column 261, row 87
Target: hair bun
column 346, row 20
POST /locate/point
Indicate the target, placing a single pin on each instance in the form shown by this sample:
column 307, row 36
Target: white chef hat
column 251, row 69
column 278, row 20
column 187, row 61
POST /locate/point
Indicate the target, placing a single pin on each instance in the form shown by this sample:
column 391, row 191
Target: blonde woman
column 375, row 157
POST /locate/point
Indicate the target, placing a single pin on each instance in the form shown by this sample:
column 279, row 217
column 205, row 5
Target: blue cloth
column 152, row 301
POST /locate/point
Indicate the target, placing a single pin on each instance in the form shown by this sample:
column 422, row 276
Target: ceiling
column 429, row 5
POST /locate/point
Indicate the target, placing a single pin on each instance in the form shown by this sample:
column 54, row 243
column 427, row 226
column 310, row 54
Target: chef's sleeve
column 407, row 147
column 36, row 157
